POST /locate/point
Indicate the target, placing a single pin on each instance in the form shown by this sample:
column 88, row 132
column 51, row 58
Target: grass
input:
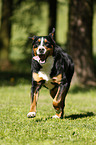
column 78, row 126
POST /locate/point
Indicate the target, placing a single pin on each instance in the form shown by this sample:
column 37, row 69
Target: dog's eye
column 47, row 45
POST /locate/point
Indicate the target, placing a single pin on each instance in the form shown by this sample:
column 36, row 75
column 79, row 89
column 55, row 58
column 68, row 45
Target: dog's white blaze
column 45, row 71
column 41, row 44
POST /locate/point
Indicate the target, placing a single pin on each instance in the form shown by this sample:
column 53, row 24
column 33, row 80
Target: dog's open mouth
column 40, row 58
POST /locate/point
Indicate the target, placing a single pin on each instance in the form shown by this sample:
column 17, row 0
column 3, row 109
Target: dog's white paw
column 31, row 114
column 55, row 116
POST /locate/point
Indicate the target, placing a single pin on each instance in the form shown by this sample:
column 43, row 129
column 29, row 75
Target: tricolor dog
column 52, row 68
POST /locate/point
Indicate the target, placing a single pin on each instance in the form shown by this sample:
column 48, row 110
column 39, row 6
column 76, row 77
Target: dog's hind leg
column 59, row 100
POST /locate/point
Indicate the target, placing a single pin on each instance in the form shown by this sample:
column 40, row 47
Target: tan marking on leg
column 58, row 104
column 36, row 77
column 57, row 79
column 56, row 101
column 32, row 112
column 34, row 103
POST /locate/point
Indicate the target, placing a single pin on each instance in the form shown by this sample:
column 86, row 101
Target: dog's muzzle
column 41, row 55
column 41, row 50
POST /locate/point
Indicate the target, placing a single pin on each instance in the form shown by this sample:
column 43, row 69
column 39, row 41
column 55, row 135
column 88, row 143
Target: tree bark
column 5, row 31
column 52, row 15
column 80, row 40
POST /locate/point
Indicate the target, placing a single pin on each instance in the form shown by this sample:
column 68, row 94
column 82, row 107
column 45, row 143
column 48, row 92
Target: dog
column 52, row 68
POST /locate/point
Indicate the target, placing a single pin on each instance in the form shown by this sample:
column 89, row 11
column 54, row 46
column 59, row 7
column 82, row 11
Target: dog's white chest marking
column 45, row 71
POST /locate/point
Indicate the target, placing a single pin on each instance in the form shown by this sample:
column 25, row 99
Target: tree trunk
column 52, row 15
column 80, row 40
column 5, row 32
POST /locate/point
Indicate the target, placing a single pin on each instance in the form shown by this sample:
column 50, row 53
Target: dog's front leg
column 34, row 96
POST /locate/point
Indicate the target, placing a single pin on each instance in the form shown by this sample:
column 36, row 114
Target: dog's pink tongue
column 37, row 58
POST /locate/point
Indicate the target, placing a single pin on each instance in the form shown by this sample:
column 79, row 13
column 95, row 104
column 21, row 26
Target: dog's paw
column 55, row 116
column 31, row 114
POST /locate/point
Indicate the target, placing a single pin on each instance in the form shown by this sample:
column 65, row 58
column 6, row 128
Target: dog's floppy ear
column 52, row 33
column 32, row 37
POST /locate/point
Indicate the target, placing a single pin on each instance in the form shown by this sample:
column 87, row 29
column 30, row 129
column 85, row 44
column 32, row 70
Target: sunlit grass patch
column 78, row 126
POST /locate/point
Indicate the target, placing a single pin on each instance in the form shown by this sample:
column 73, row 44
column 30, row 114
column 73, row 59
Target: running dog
column 52, row 68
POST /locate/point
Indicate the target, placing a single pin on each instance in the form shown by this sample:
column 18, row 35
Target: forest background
column 75, row 24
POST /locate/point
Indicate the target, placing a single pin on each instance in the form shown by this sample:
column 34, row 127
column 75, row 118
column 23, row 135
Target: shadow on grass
column 72, row 117
column 81, row 115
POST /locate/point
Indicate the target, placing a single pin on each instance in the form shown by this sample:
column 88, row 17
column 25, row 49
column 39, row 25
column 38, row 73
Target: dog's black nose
column 41, row 50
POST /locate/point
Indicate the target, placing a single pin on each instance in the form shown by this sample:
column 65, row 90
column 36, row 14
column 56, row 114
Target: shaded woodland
column 79, row 36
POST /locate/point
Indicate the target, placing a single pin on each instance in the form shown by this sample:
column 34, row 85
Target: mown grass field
column 78, row 126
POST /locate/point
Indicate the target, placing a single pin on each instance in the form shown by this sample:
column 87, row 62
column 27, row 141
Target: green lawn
column 78, row 127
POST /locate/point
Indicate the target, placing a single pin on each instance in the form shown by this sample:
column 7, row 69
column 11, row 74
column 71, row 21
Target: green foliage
column 78, row 126
column 25, row 12
column 29, row 18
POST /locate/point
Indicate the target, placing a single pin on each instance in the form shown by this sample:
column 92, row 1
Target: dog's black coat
column 63, row 64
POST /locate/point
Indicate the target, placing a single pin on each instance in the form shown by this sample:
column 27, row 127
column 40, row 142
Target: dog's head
column 43, row 47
